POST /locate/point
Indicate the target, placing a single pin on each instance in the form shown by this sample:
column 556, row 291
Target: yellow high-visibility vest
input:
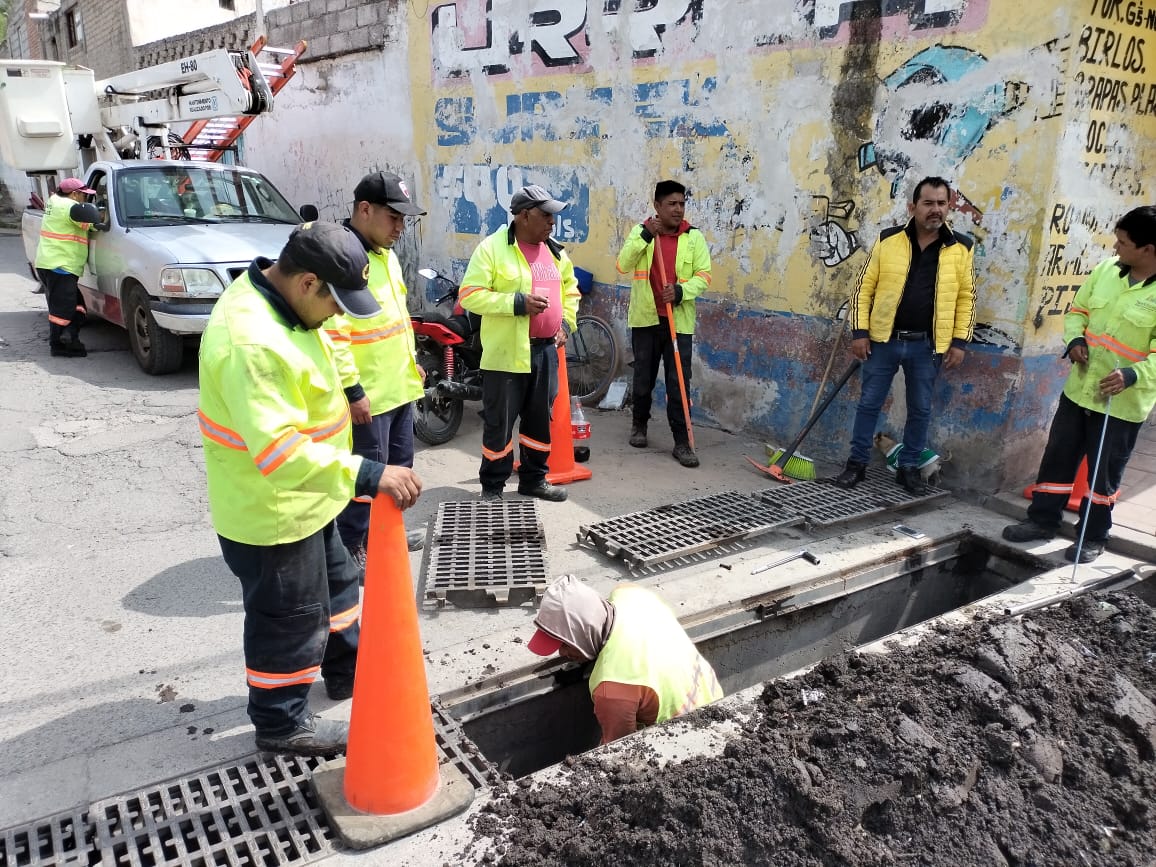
column 275, row 423
column 63, row 241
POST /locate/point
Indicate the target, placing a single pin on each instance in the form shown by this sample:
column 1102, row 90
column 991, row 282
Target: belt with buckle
column 541, row 341
column 909, row 335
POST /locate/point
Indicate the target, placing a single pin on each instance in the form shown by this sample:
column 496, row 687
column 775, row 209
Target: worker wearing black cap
column 522, row 283
column 276, row 431
column 376, row 356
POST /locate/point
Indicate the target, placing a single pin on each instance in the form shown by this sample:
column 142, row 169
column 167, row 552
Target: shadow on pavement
column 197, row 588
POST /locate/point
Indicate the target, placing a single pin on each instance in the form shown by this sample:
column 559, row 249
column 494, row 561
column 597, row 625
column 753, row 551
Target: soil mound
column 1011, row 742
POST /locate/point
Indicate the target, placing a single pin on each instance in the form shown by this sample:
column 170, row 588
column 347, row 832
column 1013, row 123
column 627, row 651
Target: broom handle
column 674, row 342
column 790, row 450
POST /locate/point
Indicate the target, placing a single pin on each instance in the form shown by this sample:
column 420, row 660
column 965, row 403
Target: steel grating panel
column 680, row 530
column 482, row 554
column 258, row 812
column 822, row 504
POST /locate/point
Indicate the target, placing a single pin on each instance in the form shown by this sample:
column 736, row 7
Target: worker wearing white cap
column 646, row 668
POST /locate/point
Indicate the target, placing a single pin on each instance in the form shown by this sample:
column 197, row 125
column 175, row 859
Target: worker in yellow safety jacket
column 522, row 283
column 669, row 264
column 60, row 258
column 376, row 356
column 1110, row 332
column 276, row 430
column 646, row 669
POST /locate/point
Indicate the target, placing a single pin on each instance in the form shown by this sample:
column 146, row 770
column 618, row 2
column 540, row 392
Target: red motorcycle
column 449, row 350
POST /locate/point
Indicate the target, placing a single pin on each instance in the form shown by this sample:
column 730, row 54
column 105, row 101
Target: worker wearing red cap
column 646, row 668
column 60, row 258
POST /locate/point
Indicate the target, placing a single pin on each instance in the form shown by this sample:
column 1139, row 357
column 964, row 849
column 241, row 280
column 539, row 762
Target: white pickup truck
column 173, row 235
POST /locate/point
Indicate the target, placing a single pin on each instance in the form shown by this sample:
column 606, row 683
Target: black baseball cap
column 337, row 256
column 533, row 196
column 386, row 188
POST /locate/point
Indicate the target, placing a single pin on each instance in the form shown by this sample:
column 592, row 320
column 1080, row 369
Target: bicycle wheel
column 591, row 359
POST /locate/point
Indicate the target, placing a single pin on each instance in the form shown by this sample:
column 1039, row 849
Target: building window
column 231, row 5
column 73, row 30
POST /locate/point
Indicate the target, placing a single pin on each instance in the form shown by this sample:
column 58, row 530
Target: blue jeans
column 920, row 366
column 388, row 439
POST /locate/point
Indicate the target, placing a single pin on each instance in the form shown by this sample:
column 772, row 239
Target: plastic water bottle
column 579, row 427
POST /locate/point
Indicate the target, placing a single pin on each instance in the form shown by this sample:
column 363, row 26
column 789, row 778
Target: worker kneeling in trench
column 646, row 668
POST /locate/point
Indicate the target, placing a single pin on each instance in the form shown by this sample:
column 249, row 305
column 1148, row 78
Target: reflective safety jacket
column 691, row 267
column 274, row 421
column 1118, row 321
column 876, row 299
column 63, row 241
column 379, row 351
column 494, row 286
column 648, row 647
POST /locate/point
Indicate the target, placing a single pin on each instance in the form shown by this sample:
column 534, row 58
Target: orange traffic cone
column 1079, row 488
column 389, row 784
column 561, row 466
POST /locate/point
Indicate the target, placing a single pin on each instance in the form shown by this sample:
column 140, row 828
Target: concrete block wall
column 106, row 46
column 332, row 28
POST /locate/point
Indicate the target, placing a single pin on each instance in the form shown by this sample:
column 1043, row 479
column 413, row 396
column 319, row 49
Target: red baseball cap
column 544, row 644
column 74, row 185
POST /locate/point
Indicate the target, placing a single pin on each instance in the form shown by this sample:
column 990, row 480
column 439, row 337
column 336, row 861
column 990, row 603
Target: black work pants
column 507, row 397
column 1075, row 434
column 301, row 619
column 66, row 310
column 652, row 345
column 387, row 439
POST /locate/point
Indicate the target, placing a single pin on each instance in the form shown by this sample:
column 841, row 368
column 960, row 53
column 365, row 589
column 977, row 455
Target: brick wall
column 331, row 27
column 105, row 46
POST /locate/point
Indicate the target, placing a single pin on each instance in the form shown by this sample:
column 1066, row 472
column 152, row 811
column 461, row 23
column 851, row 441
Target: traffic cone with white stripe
column 390, row 783
column 561, row 467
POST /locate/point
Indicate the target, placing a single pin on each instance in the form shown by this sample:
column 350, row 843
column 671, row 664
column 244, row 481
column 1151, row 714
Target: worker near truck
column 669, row 263
column 522, row 283
column 61, row 255
column 377, row 356
column 646, row 668
column 276, row 430
column 1110, row 335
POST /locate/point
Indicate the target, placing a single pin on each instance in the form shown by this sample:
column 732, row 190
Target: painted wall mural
column 800, row 127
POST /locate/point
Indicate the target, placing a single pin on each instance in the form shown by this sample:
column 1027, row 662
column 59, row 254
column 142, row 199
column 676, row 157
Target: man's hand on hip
column 1079, row 354
column 359, row 411
column 953, row 358
column 402, row 484
column 861, row 348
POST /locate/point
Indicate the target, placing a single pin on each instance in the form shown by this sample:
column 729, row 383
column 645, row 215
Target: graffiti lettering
column 1100, row 46
column 1056, row 264
column 478, row 196
column 1064, row 216
column 544, row 35
column 1132, row 13
column 829, row 14
column 1095, row 141
column 537, row 115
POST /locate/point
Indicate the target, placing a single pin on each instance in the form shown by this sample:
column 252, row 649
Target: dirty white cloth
column 577, row 615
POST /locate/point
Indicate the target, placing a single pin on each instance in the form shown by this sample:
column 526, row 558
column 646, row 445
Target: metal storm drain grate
column 822, row 504
column 259, row 812
column 484, row 554
column 681, row 530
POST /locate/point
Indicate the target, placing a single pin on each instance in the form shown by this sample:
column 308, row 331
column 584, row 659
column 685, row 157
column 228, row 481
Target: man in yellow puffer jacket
column 914, row 308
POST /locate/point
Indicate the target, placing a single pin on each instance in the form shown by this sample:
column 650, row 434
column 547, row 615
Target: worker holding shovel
column 662, row 311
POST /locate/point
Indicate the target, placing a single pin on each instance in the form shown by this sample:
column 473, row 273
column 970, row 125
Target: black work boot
column 685, row 455
column 543, row 490
column 911, row 480
column 1028, row 531
column 638, row 436
column 313, row 737
column 1088, row 553
column 339, row 688
column 852, row 475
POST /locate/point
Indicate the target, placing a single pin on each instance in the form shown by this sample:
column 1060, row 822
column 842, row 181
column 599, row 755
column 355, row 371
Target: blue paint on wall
column 478, row 211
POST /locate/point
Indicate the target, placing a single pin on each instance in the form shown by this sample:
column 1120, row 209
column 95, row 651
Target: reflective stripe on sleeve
column 219, row 434
column 279, row 451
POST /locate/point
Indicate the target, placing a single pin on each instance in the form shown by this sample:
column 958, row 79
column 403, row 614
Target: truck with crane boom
column 174, row 231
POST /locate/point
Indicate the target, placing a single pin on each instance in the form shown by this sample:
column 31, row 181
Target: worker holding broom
column 914, row 308
column 661, row 314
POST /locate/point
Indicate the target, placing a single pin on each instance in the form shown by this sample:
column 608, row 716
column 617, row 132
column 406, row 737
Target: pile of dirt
column 1012, row 742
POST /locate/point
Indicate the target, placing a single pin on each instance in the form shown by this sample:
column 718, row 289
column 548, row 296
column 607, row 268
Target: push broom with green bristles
column 785, row 464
